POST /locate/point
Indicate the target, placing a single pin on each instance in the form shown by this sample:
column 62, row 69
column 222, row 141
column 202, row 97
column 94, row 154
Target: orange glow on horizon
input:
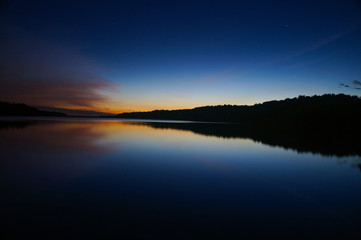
column 114, row 107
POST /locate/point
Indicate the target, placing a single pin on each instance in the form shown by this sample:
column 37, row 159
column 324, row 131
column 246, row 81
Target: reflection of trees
column 16, row 124
column 48, row 136
column 314, row 140
column 359, row 166
column 340, row 141
column 328, row 124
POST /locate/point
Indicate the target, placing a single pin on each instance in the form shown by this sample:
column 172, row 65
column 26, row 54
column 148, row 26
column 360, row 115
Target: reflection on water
column 317, row 141
column 16, row 124
column 106, row 178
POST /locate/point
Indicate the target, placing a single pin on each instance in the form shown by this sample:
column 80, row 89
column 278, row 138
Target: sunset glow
column 141, row 55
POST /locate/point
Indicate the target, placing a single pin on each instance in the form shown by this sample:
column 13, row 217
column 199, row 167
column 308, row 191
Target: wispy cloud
column 213, row 78
column 56, row 91
column 221, row 76
column 355, row 84
column 311, row 48
column 40, row 73
column 316, row 45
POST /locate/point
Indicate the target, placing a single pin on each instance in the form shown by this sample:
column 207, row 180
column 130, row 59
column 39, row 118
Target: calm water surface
column 114, row 179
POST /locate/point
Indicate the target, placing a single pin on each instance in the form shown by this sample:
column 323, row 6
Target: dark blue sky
column 141, row 55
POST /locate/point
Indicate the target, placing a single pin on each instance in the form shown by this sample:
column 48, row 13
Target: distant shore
column 328, row 111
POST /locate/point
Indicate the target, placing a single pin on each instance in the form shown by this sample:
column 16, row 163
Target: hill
column 328, row 110
column 19, row 109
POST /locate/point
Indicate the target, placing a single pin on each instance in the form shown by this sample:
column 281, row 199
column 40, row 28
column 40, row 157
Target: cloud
column 355, row 82
column 55, row 91
column 213, row 78
column 37, row 72
column 355, row 85
column 321, row 43
column 344, row 85
column 284, row 59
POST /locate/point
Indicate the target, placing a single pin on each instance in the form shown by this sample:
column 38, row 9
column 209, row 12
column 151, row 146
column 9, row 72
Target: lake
column 105, row 178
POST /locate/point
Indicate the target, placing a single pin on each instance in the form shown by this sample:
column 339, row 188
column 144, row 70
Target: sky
column 120, row 56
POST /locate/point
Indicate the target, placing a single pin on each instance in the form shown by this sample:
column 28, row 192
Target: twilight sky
column 116, row 56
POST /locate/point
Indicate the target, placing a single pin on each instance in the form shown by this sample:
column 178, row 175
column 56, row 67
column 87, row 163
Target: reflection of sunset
column 56, row 136
column 84, row 169
column 108, row 58
column 102, row 136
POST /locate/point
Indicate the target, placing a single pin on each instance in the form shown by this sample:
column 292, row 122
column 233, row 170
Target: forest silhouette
column 326, row 111
column 329, row 124
column 336, row 111
column 20, row 109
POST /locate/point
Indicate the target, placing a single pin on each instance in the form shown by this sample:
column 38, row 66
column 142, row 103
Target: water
column 62, row 178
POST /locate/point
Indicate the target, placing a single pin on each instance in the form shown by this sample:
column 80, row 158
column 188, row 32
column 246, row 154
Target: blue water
column 114, row 179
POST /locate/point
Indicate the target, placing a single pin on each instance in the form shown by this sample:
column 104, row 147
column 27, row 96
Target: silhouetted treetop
column 326, row 110
column 19, row 109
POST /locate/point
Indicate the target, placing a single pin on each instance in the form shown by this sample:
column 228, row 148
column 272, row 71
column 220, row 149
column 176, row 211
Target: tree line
column 329, row 110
